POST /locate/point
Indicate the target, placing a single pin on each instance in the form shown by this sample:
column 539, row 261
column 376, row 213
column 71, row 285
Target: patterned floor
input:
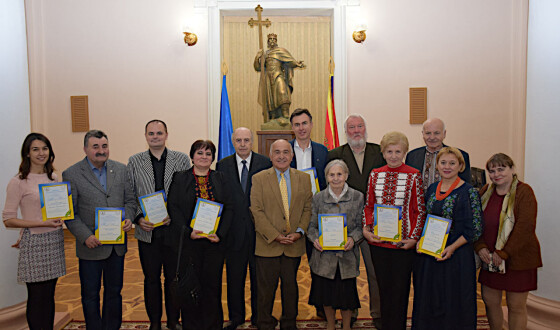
column 68, row 289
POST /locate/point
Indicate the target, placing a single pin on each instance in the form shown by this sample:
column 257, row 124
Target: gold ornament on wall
column 359, row 34
column 190, row 38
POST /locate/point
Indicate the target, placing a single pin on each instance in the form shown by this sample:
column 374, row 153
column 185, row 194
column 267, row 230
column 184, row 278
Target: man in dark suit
column 361, row 157
column 424, row 158
column 239, row 168
column 150, row 171
column 281, row 207
column 95, row 182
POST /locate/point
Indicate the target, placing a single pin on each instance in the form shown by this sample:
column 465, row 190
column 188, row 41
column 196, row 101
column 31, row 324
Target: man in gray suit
column 97, row 181
column 150, row 171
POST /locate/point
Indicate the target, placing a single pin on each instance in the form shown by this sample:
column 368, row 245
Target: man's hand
column 283, row 240
column 92, row 242
column 294, row 236
column 145, row 224
column 127, row 225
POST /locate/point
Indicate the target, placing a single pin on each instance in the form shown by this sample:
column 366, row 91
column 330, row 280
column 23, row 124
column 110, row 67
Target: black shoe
column 233, row 325
column 377, row 323
column 176, row 326
column 155, row 326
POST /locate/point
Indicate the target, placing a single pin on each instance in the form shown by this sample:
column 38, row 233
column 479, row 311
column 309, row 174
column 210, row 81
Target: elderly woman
column 445, row 288
column 41, row 255
column 510, row 216
column 394, row 184
column 206, row 253
column 335, row 286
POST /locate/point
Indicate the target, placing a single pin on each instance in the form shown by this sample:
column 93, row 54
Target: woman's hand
column 213, row 238
column 496, row 259
column 54, row 223
column 407, row 244
column 195, row 234
column 370, row 237
column 317, row 245
column 349, row 245
column 166, row 221
column 484, row 255
column 447, row 253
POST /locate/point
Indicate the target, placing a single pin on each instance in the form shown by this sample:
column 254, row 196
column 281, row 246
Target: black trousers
column 393, row 268
column 40, row 304
column 236, row 274
column 269, row 270
column 153, row 257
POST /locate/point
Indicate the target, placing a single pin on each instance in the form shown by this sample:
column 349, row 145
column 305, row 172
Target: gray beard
column 360, row 144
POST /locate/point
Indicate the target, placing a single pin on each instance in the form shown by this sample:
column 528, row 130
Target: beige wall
column 129, row 57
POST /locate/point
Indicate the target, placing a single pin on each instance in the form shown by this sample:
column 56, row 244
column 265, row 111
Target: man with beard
column 361, row 157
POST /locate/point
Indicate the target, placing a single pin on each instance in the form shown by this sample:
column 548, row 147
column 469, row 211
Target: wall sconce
column 359, row 35
column 190, row 37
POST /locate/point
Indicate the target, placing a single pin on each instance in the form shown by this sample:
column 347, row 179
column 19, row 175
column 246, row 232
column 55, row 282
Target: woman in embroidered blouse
column 335, row 286
column 41, row 256
column 206, row 253
column 510, row 218
column 445, row 288
column 394, row 184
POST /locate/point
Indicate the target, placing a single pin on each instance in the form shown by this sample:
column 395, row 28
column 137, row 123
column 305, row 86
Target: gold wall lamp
column 359, row 35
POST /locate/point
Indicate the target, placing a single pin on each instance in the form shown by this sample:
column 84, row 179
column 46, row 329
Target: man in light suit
column 361, row 157
column 97, row 181
column 281, row 208
column 424, row 158
column 240, row 241
column 150, row 171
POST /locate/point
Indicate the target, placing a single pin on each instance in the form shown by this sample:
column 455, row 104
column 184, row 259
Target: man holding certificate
column 281, row 208
column 150, row 173
column 393, row 219
column 103, row 206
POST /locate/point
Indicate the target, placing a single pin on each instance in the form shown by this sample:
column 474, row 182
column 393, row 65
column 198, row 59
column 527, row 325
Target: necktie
column 284, row 192
column 244, row 175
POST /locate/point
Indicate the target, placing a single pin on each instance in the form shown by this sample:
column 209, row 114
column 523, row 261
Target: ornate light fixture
column 359, row 35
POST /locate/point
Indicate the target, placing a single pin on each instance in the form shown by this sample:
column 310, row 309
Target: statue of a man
column 276, row 92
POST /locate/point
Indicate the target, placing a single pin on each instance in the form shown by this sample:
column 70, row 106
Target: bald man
column 424, row 158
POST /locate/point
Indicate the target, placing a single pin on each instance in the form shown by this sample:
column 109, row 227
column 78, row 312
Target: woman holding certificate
column 41, row 255
column 510, row 218
column 445, row 286
column 196, row 199
column 392, row 223
column 334, row 228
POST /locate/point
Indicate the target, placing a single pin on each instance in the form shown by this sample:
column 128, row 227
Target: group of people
column 270, row 218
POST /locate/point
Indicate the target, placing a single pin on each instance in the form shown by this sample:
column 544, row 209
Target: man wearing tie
column 240, row 242
column 281, row 208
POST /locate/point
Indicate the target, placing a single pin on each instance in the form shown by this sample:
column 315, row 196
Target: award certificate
column 434, row 236
column 108, row 225
column 387, row 222
column 314, row 180
column 56, row 201
column 206, row 216
column 333, row 231
column 154, row 207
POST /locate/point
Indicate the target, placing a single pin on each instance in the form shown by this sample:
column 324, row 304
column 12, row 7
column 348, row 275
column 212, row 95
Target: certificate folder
column 59, row 195
column 206, row 216
column 333, row 231
column 108, row 225
column 158, row 196
column 314, row 180
column 434, row 235
column 387, row 222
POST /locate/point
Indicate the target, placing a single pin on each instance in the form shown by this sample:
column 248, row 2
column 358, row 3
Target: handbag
column 186, row 286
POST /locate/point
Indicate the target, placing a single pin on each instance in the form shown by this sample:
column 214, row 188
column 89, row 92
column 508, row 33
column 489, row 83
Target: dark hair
column 299, row 112
column 499, row 159
column 94, row 133
column 155, row 121
column 25, row 165
column 203, row 144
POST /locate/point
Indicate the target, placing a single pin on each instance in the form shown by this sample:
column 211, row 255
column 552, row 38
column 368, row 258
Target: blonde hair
column 452, row 151
column 392, row 138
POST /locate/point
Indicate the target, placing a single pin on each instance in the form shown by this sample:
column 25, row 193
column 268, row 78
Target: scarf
column 507, row 219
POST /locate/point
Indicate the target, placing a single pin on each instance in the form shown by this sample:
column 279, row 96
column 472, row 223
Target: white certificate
column 332, row 231
column 206, row 216
column 56, row 201
column 154, row 207
column 108, row 225
column 387, row 222
column 434, row 236
column 313, row 178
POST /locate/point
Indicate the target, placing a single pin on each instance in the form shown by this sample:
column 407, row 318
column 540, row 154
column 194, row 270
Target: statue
column 275, row 89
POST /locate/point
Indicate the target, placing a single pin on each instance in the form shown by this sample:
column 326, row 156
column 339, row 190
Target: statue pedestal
column 266, row 138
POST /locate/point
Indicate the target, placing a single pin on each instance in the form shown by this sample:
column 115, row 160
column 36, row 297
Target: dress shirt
column 303, row 156
column 240, row 164
column 101, row 175
column 159, row 169
column 359, row 157
column 288, row 183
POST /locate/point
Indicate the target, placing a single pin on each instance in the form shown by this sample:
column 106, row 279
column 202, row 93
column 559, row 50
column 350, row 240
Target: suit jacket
column 319, row 159
column 182, row 201
column 88, row 194
column 416, row 157
column 269, row 216
column 141, row 176
column 242, row 228
column 372, row 159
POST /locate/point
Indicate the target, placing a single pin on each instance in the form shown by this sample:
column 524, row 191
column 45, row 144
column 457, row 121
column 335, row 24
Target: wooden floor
column 68, row 289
